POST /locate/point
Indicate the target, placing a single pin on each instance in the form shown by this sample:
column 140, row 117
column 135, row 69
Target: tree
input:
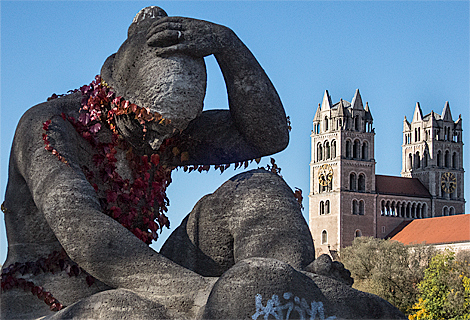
column 388, row 269
column 445, row 289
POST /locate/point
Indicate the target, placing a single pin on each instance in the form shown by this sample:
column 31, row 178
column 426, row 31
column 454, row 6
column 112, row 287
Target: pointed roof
column 368, row 115
column 418, row 114
column 356, row 102
column 326, row 103
column 438, row 230
column 341, row 109
column 406, row 125
column 446, row 115
column 317, row 114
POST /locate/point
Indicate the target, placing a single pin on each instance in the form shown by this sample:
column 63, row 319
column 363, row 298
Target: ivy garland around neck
column 140, row 203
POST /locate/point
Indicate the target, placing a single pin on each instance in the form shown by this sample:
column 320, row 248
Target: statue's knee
column 256, row 287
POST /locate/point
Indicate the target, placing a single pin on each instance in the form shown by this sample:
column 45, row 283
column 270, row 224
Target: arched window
column 348, row 148
column 333, row 149
column 356, row 149
column 451, row 211
column 393, row 209
column 382, row 208
column 417, row 160
column 356, row 123
column 355, row 207
column 424, row 211
column 326, row 123
column 327, row 207
column 425, row 159
column 324, row 237
column 439, row 158
column 327, row 150
column 361, row 207
column 454, row 160
column 447, row 159
column 418, row 211
column 322, row 208
column 361, row 183
column 352, row 181
column 319, row 152
column 365, row 151
column 357, row 233
column 445, row 211
column 408, row 210
column 410, row 161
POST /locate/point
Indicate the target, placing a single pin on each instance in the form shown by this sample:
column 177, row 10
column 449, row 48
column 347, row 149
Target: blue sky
column 396, row 52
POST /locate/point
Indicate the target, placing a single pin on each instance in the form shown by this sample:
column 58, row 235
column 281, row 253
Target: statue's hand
column 190, row 36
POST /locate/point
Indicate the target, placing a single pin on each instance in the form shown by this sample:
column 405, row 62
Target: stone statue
column 86, row 184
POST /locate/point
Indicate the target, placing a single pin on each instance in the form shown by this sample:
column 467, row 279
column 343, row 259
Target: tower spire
column 357, row 101
column 326, row 103
column 418, row 114
column 446, row 115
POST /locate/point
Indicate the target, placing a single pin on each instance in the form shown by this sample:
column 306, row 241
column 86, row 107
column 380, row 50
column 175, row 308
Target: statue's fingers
column 164, row 38
column 164, row 26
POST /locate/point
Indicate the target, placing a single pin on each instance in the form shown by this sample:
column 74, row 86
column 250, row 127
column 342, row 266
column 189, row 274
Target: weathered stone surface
column 325, row 266
column 254, row 214
column 259, row 288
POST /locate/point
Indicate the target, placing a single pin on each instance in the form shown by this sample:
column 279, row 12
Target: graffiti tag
column 293, row 305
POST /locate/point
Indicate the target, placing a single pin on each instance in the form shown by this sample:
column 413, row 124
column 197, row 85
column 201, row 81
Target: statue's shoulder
column 36, row 115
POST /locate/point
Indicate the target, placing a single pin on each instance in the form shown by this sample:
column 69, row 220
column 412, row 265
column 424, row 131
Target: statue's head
column 173, row 86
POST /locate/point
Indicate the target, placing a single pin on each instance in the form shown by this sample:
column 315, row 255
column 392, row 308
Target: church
column 348, row 199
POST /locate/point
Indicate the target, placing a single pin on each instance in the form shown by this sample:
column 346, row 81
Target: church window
column 327, row 207
column 327, row 150
column 355, row 207
column 416, row 134
column 352, row 181
column 451, row 211
column 408, row 210
column 356, row 149
column 348, row 149
column 326, row 123
column 357, row 233
column 425, row 159
column 361, row 183
column 365, row 150
column 333, row 149
column 361, row 207
column 447, row 159
column 424, row 211
column 319, row 152
column 445, row 211
column 410, row 161
column 439, row 158
column 418, row 211
column 324, row 237
column 356, row 123
column 454, row 160
column 322, row 208
column 417, row 160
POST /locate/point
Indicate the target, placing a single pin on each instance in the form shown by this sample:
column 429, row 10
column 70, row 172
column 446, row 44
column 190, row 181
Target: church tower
column 342, row 174
column 432, row 151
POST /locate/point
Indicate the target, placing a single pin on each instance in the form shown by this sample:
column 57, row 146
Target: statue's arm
column 256, row 123
column 99, row 244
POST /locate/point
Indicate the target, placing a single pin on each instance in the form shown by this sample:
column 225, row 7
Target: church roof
column 391, row 185
column 439, row 230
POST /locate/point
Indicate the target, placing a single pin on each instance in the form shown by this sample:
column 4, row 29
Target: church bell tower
column 432, row 151
column 342, row 174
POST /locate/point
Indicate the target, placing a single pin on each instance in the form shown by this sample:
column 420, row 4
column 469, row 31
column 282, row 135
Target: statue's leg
column 261, row 288
column 112, row 304
column 254, row 214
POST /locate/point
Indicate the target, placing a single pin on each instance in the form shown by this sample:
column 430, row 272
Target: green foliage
column 388, row 269
column 445, row 289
